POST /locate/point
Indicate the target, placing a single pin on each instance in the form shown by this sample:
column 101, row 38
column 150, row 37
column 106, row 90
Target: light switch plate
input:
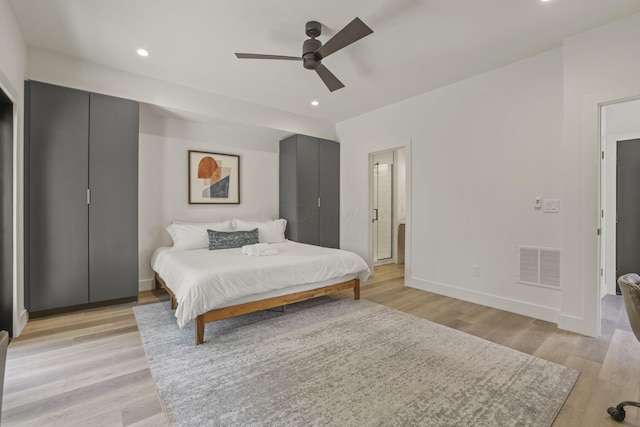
column 551, row 205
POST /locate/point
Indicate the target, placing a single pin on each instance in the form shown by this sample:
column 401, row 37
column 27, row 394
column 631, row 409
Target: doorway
column 387, row 205
column 627, row 208
column 620, row 157
column 6, row 213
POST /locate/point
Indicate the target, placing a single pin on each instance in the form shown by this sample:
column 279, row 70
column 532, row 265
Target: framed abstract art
column 214, row 178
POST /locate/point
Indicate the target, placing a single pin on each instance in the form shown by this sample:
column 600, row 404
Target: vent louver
column 539, row 266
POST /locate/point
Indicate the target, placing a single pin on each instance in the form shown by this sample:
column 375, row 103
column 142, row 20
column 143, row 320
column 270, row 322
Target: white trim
column 19, row 321
column 543, row 248
column 574, row 324
column 540, row 285
column 22, row 320
column 550, row 314
column 408, row 158
column 146, row 284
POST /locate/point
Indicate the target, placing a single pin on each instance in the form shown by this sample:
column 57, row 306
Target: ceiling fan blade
column 260, row 56
column 328, row 78
column 352, row 32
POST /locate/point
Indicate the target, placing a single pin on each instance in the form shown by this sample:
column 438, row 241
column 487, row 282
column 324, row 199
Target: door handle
column 376, row 217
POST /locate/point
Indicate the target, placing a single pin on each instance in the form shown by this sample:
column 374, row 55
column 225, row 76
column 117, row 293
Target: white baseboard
column 146, row 284
column 23, row 318
column 575, row 324
column 549, row 314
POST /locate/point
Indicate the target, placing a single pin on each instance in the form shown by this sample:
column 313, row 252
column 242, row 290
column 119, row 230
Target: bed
column 208, row 285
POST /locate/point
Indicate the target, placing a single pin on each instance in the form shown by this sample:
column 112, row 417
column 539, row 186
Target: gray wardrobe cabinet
column 310, row 190
column 81, row 197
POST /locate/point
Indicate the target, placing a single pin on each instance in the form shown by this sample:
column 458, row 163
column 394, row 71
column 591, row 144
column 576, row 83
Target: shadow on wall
column 164, row 122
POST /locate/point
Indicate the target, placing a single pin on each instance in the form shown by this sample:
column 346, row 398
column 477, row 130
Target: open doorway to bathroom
column 387, row 203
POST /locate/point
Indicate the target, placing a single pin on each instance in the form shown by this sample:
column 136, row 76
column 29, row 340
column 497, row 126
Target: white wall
column 13, row 62
column 622, row 117
column 481, row 150
column 164, row 143
column 600, row 66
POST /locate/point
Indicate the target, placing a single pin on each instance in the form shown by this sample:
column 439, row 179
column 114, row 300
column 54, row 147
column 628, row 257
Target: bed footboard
column 251, row 307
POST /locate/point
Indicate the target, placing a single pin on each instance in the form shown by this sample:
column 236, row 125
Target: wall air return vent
column 539, row 266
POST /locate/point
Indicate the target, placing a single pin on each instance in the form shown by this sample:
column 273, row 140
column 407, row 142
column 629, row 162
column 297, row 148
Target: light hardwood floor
column 89, row 369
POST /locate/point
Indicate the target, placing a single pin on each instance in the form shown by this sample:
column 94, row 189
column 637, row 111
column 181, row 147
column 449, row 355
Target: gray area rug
column 344, row 363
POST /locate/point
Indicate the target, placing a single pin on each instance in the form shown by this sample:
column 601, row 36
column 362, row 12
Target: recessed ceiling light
column 315, row 103
column 143, row 52
column 545, row 0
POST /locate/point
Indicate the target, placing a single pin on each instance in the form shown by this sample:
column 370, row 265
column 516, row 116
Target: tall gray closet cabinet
column 310, row 190
column 81, row 201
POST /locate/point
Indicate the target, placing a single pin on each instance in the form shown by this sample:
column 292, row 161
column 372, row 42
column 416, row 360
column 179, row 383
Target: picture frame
column 214, row 178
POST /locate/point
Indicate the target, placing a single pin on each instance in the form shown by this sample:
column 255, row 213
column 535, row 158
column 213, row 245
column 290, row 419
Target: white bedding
column 203, row 280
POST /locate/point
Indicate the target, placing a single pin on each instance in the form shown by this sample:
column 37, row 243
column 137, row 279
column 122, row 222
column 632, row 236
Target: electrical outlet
column 475, row 270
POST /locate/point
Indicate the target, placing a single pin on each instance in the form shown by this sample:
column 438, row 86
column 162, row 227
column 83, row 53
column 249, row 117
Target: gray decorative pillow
column 232, row 239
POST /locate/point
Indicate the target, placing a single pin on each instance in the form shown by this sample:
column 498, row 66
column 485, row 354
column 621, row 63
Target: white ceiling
column 417, row 45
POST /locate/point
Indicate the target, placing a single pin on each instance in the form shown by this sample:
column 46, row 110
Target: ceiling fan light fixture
column 142, row 52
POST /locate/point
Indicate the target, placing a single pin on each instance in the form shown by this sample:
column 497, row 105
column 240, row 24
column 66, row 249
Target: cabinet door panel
column 113, row 179
column 57, row 205
column 307, row 155
column 288, row 183
column 329, row 190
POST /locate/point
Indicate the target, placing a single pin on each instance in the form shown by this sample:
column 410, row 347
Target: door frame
column 7, row 111
column 20, row 315
column 408, row 188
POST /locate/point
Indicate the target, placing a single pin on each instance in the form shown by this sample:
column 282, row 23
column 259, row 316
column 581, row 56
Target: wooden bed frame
column 265, row 304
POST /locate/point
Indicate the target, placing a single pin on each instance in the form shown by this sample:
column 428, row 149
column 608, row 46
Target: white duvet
column 203, row 279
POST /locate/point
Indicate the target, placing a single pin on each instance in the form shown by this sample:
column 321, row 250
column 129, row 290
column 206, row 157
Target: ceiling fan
column 313, row 51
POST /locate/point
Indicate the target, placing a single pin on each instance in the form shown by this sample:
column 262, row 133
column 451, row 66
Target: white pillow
column 193, row 235
column 268, row 231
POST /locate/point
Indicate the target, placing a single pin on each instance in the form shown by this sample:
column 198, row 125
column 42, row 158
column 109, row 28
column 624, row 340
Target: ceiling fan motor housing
column 313, row 28
column 309, row 59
